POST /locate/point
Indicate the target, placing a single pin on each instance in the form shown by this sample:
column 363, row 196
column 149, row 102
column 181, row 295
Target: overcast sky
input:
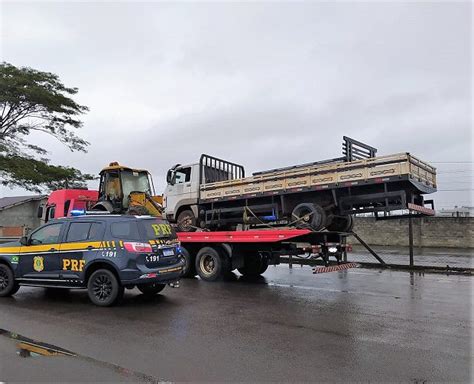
column 262, row 84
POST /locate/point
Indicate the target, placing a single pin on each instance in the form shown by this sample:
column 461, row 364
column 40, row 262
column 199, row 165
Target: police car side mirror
column 24, row 240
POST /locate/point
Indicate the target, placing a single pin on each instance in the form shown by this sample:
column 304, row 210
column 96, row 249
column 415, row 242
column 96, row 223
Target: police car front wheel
column 8, row 285
column 104, row 289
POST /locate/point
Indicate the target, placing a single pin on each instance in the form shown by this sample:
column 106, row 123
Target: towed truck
column 318, row 199
column 215, row 194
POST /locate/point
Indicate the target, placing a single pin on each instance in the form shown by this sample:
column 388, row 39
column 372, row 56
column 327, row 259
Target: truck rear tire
column 151, row 289
column 189, row 269
column 254, row 265
column 210, row 265
column 186, row 221
column 309, row 216
column 341, row 224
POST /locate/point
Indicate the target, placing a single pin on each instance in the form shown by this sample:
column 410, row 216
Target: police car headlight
column 332, row 249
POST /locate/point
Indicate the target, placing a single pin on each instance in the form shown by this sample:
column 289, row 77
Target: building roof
column 11, row 201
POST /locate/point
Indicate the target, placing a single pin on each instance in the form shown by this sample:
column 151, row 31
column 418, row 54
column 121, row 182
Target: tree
column 35, row 101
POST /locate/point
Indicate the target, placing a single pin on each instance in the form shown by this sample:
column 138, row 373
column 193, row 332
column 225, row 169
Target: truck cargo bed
column 397, row 167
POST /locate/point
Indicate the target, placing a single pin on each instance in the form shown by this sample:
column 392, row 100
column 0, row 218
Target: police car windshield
column 156, row 229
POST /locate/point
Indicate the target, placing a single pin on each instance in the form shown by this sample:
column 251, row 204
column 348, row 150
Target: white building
column 456, row 212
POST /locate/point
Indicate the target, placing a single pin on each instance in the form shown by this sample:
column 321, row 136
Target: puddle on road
column 31, row 348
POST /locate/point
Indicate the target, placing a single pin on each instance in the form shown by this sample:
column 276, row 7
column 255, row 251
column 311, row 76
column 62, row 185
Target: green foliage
column 35, row 175
column 35, row 101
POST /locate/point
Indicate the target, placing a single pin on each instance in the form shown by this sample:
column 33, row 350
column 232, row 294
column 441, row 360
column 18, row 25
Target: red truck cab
column 61, row 202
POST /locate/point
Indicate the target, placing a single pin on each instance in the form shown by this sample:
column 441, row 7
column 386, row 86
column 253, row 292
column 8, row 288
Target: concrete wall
column 21, row 215
column 452, row 232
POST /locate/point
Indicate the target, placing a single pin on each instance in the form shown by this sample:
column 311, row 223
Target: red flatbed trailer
column 213, row 254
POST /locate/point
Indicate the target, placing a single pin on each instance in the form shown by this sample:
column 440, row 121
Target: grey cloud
column 263, row 84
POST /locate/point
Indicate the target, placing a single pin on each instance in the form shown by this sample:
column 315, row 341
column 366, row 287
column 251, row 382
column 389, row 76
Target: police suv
column 102, row 253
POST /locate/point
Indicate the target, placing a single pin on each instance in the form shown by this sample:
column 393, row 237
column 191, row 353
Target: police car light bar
column 82, row 212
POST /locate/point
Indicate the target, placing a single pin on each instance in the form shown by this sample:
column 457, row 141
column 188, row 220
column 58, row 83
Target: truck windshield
column 151, row 229
column 135, row 181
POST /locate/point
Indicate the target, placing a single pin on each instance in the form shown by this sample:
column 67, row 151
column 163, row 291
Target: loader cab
column 118, row 182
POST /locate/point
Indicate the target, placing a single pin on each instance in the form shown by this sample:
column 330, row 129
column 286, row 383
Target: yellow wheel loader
column 127, row 190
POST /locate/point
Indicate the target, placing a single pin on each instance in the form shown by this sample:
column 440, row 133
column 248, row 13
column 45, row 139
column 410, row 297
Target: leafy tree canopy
column 35, row 101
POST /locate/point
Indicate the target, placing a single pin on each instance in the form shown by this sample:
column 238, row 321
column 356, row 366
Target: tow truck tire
column 189, row 269
column 104, row 289
column 254, row 265
column 8, row 285
column 311, row 216
column 186, row 221
column 341, row 224
column 151, row 289
column 210, row 265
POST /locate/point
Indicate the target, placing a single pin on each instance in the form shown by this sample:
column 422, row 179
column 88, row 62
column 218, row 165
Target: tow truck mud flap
column 334, row 268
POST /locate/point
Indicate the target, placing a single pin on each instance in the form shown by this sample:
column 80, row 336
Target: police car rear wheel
column 151, row 289
column 8, row 285
column 103, row 288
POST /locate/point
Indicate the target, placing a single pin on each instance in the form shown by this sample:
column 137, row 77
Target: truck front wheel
column 186, row 221
column 254, row 265
column 151, row 289
column 210, row 265
column 189, row 269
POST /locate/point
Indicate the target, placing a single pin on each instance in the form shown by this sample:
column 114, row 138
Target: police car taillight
column 137, row 247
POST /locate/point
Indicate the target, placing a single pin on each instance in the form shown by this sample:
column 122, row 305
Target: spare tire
column 309, row 216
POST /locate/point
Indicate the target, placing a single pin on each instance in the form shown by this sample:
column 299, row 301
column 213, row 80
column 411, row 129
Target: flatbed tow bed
column 213, row 254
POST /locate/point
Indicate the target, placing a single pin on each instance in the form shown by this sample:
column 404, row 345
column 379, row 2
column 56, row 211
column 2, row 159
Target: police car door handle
column 53, row 250
column 90, row 248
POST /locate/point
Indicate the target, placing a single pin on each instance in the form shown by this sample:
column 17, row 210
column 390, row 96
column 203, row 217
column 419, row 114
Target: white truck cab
column 180, row 200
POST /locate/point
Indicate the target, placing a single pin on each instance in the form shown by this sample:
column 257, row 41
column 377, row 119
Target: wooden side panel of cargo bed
column 361, row 170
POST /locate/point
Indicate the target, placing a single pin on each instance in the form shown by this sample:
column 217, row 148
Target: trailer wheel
column 341, row 224
column 254, row 265
column 186, row 221
column 309, row 216
column 189, row 269
column 210, row 265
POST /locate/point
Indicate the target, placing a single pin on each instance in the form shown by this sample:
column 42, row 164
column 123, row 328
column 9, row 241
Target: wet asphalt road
column 356, row 325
